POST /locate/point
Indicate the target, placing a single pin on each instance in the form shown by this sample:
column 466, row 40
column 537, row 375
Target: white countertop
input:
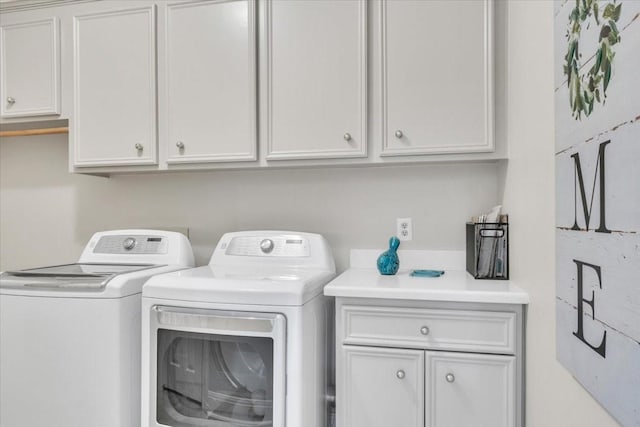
column 363, row 280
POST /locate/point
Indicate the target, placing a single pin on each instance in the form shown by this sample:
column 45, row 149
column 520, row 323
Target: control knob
column 266, row 245
column 129, row 243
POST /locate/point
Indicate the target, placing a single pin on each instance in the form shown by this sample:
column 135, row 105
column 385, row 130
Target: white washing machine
column 70, row 334
column 243, row 341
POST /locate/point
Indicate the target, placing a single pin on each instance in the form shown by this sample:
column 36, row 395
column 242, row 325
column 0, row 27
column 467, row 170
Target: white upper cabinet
column 115, row 87
column 316, row 85
column 209, row 77
column 219, row 84
column 437, row 76
column 30, row 57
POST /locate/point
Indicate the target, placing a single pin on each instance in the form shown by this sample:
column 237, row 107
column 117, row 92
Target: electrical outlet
column 404, row 228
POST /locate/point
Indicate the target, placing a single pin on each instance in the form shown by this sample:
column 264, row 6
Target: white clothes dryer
column 70, row 334
column 243, row 341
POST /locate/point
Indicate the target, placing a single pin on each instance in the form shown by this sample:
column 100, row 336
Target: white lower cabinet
column 415, row 388
column 469, row 389
column 455, row 366
column 383, row 387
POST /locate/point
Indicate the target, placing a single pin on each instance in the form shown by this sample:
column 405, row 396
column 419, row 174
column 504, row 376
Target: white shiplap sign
column 597, row 109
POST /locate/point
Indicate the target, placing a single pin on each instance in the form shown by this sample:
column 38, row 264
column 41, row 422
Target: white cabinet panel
column 470, row 390
column 463, row 383
column 30, row 57
column 384, row 387
column 316, row 79
column 458, row 330
column 437, row 76
column 115, row 88
column 210, row 81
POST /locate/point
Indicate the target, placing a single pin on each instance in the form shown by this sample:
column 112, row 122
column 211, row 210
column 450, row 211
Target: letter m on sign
column 579, row 184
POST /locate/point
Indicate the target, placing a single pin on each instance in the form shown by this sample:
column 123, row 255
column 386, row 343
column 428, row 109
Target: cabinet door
column 316, row 79
column 437, row 76
column 382, row 388
column 115, row 88
column 466, row 389
column 30, row 56
column 210, row 67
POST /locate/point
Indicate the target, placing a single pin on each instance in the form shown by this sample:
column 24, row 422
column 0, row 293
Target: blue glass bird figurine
column 388, row 261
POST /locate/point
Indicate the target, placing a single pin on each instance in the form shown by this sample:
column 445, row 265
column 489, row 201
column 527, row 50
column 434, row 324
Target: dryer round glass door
column 227, row 380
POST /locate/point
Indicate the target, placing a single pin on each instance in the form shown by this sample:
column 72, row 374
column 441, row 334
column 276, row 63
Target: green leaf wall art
column 590, row 86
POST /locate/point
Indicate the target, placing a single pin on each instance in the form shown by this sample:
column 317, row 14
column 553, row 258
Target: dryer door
column 219, row 368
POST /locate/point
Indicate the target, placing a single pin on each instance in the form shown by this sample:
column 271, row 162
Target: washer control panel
column 138, row 244
column 129, row 243
column 273, row 246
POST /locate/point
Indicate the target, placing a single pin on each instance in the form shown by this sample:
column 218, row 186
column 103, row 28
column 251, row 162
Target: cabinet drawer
column 457, row 330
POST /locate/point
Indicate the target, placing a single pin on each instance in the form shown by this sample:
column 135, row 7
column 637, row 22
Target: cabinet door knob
column 450, row 378
column 347, row 137
column 180, row 145
column 399, row 134
column 424, row 330
column 400, row 374
column 139, row 147
column 11, row 100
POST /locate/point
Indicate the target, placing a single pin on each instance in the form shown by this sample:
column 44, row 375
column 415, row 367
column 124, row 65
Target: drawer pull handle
column 11, row 100
column 400, row 374
column 424, row 330
column 450, row 378
column 139, row 147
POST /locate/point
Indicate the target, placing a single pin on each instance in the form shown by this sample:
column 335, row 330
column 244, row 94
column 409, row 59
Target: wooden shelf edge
column 31, row 132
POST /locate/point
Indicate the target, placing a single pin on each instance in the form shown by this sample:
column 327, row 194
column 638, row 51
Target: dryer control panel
column 272, row 246
column 279, row 249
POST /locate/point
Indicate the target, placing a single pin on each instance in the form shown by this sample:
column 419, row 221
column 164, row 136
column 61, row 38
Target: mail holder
column 488, row 250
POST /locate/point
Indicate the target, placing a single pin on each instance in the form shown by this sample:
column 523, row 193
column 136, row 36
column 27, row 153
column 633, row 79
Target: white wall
column 554, row 398
column 41, row 203
column 352, row 207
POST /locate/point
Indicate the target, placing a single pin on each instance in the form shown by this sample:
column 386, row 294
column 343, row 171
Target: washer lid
column 266, row 285
column 75, row 276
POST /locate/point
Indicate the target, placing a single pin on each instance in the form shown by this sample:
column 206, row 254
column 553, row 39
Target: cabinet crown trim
column 18, row 5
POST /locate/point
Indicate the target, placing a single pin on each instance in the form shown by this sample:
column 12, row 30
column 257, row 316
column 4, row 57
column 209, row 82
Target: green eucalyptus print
column 590, row 87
